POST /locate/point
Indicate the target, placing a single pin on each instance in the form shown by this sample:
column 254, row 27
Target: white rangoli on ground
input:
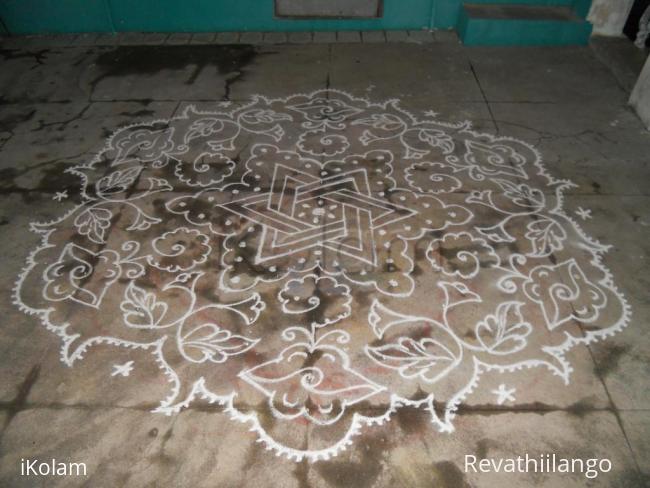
column 315, row 263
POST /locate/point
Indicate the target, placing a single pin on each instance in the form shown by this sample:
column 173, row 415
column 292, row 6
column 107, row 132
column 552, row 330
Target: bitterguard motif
column 314, row 263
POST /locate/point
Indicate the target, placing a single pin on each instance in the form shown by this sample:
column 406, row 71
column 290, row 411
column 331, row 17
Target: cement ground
column 62, row 96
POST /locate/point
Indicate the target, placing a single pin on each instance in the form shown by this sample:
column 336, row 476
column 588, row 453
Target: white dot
column 239, row 259
column 392, row 283
column 426, row 205
column 228, row 222
column 234, row 192
column 302, row 260
column 402, row 198
column 390, row 260
column 242, row 244
column 201, row 215
column 235, row 279
column 182, row 204
column 257, row 188
column 272, row 269
column 381, row 194
column 382, row 232
column 210, row 199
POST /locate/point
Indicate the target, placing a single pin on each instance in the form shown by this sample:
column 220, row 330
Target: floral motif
column 180, row 249
column 461, row 255
column 70, row 277
column 317, row 143
column 432, row 178
column 320, row 298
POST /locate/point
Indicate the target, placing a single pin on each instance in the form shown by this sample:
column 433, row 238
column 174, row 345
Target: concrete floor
column 61, row 98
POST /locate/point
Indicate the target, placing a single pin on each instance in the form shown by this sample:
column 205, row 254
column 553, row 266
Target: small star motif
column 122, row 369
column 431, row 113
column 504, row 394
column 60, row 195
column 583, row 213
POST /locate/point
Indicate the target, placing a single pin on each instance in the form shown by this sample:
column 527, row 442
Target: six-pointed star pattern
column 341, row 214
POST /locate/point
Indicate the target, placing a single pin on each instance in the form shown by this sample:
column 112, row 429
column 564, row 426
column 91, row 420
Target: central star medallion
column 302, row 211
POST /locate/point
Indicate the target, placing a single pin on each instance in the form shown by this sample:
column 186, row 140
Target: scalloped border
column 358, row 421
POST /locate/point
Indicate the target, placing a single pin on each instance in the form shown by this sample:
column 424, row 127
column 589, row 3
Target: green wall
column 49, row 16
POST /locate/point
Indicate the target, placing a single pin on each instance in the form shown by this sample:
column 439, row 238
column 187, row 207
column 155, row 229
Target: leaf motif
column 144, row 145
column 426, row 358
column 437, row 138
column 141, row 309
column 546, row 236
column 118, row 181
column 203, row 128
column 158, row 184
column 209, row 342
column 261, row 116
column 505, row 331
column 494, row 159
column 522, row 195
column 381, row 121
column 143, row 221
column 496, row 233
column 93, row 223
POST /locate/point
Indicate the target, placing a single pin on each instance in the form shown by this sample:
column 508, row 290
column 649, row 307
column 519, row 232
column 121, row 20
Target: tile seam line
column 485, row 99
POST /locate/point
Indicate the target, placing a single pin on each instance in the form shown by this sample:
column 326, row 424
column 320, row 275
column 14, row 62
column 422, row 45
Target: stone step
column 500, row 24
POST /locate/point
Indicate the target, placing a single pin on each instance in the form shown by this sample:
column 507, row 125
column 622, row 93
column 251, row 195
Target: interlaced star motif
column 334, row 211
column 314, row 263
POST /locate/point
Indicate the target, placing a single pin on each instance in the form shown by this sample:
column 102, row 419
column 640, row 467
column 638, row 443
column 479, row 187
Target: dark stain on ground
column 361, row 474
column 449, row 475
column 148, row 60
column 38, row 56
column 482, row 448
column 9, row 122
column 139, row 113
column 19, row 401
column 596, row 187
column 413, row 421
column 301, row 473
column 153, row 432
column 608, row 358
column 579, row 408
